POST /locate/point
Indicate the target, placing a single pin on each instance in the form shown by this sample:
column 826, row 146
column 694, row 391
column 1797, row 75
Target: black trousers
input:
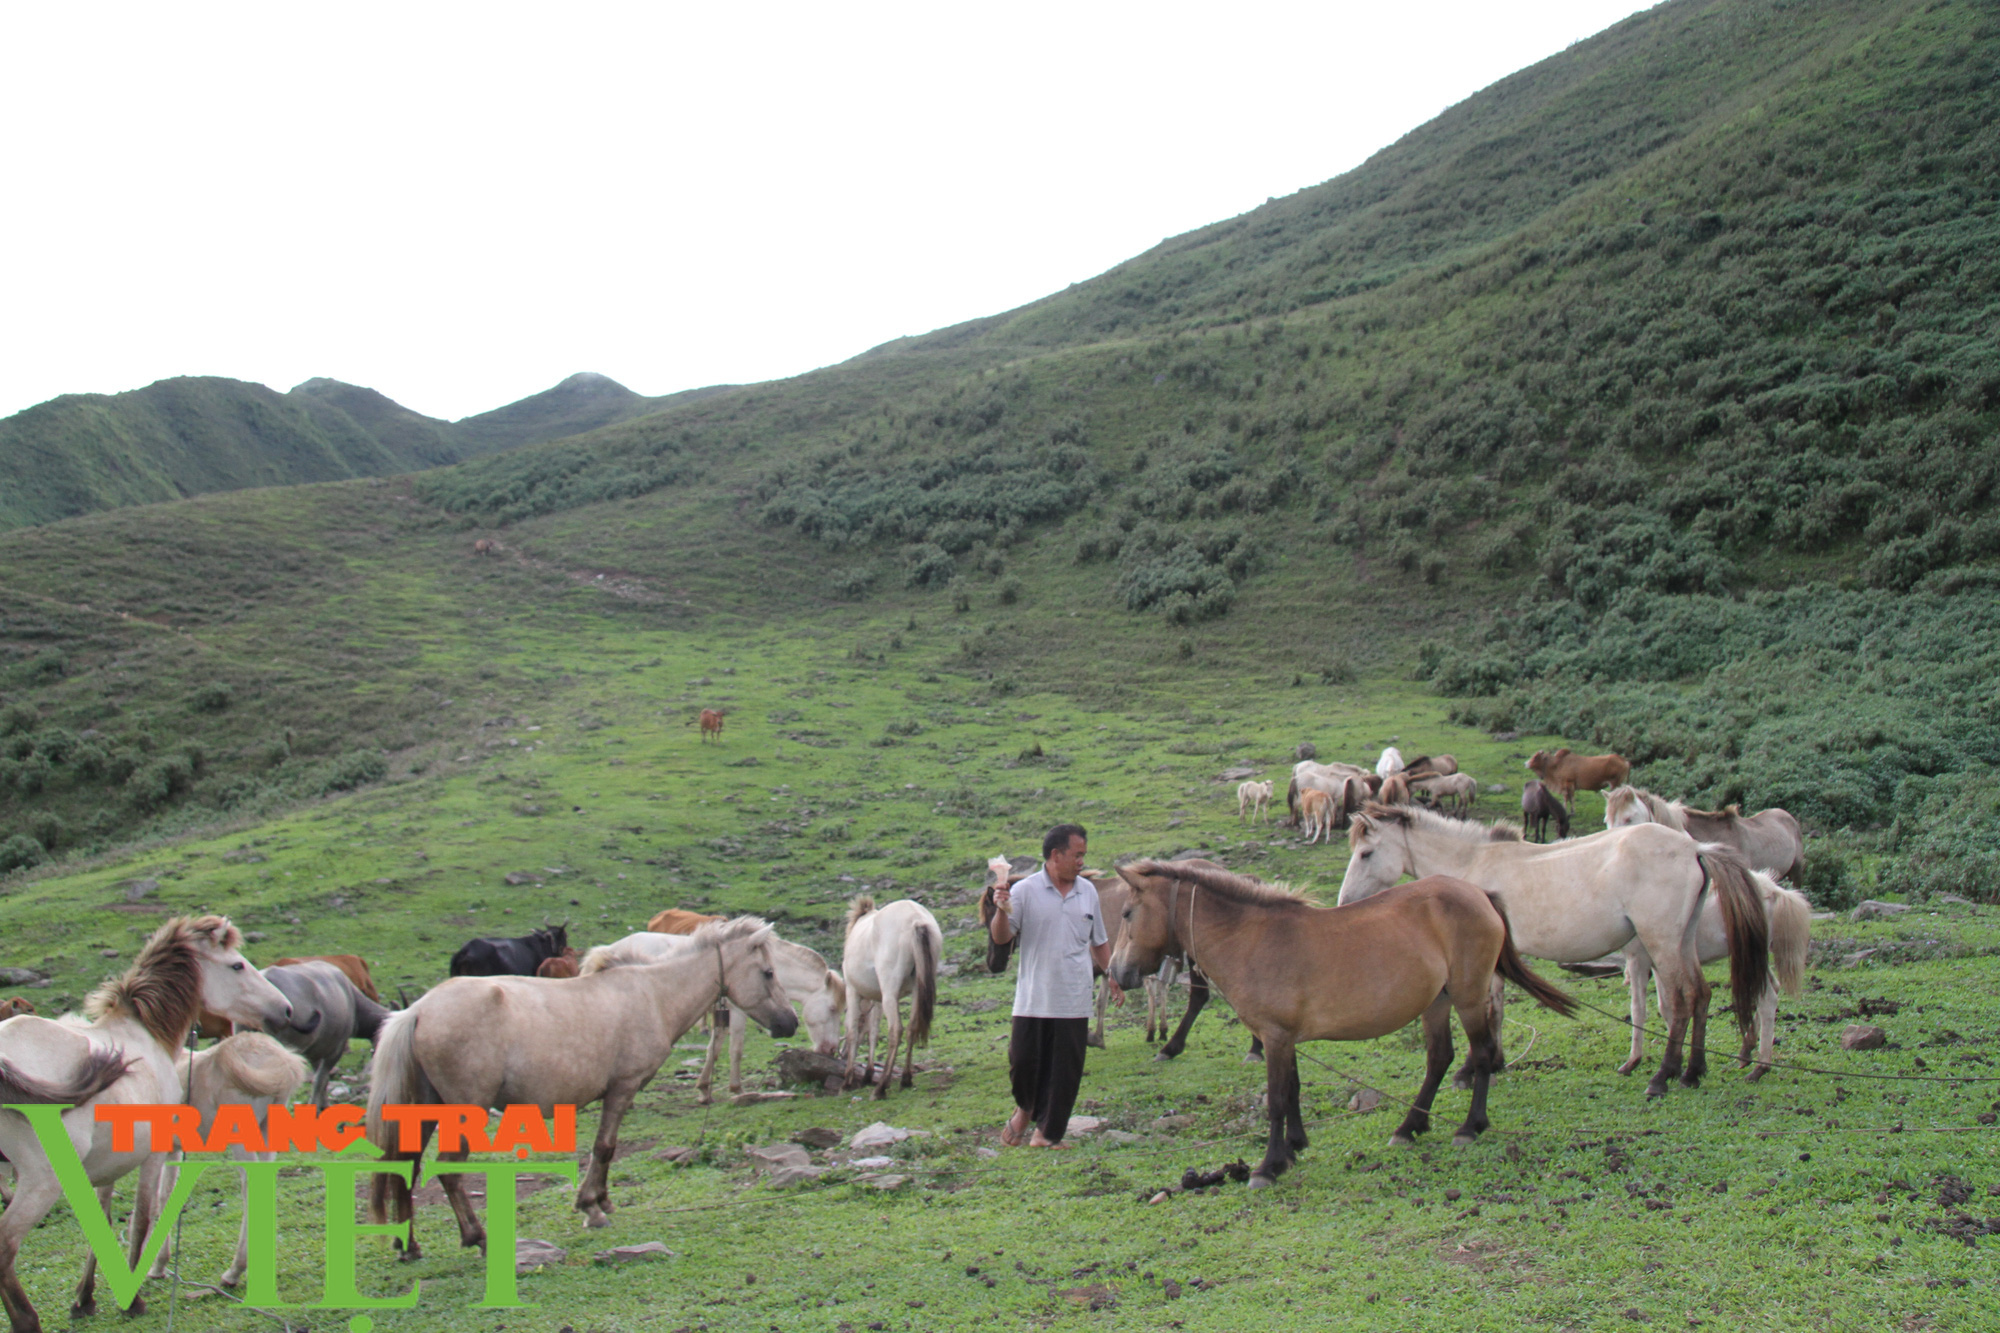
column 1045, row 1060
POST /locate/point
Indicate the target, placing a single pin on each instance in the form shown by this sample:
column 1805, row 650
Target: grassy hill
column 1641, row 402
column 196, row 435
column 1645, row 398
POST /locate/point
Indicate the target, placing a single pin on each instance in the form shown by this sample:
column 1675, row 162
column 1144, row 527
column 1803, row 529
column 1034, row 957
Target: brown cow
column 558, row 966
column 1566, row 773
column 678, row 921
column 711, row 724
column 15, row 1006
column 355, row 969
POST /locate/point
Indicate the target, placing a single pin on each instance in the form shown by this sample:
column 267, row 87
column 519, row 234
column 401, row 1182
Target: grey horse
column 327, row 1013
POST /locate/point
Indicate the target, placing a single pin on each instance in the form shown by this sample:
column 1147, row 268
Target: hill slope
column 1681, row 447
column 195, row 435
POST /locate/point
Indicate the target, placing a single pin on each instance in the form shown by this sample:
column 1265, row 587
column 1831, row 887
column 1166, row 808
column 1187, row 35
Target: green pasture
column 1810, row 1200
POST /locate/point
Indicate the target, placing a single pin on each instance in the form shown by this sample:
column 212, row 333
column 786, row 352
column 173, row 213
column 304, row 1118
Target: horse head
column 1377, row 858
column 1147, row 933
column 230, row 986
column 750, row 974
column 824, row 1009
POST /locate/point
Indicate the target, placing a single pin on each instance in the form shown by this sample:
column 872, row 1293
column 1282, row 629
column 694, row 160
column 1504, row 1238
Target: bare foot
column 1015, row 1130
column 1039, row 1142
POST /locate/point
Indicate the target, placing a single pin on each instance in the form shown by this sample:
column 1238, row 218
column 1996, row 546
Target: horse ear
column 1130, row 882
column 1359, row 824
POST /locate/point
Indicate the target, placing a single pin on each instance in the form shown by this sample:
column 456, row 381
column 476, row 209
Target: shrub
column 213, row 697
column 354, row 769
column 48, row 829
column 1010, row 591
column 853, row 581
column 17, row 718
column 20, row 852
column 1828, row 879
column 928, row 565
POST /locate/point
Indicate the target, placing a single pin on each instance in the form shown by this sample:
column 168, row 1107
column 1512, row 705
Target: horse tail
column 257, row 1066
column 104, row 1066
column 1511, row 968
column 1292, row 799
column 398, row 1080
column 924, row 1005
column 861, row 906
column 1745, row 926
column 1791, row 936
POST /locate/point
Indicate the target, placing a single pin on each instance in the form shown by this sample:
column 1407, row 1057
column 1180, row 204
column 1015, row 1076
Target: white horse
column 543, row 1042
column 816, row 988
column 1390, row 762
column 1770, row 840
column 250, row 1069
column 890, row 952
column 1254, row 797
column 124, row 1055
column 1578, row 900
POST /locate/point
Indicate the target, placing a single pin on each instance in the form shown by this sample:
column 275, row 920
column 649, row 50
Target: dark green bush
column 213, row 697
column 18, row 717
column 20, row 852
column 926, row 565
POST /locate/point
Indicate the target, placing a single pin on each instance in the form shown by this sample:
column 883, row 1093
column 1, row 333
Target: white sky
column 459, row 205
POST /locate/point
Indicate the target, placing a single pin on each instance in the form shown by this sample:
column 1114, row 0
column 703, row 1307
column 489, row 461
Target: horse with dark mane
column 1295, row 971
column 516, row 957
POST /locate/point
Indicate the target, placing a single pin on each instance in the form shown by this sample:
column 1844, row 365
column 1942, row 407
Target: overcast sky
column 460, row 205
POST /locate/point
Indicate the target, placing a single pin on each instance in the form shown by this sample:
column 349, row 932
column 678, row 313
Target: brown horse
column 486, row 546
column 1567, row 773
column 1297, row 972
column 560, row 966
column 17, row 1005
column 678, row 921
column 711, row 724
column 355, row 967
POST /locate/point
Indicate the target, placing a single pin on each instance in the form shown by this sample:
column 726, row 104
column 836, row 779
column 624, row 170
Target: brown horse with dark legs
column 1298, row 972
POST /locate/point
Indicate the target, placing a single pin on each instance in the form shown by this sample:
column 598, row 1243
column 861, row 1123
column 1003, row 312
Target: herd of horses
column 527, row 1021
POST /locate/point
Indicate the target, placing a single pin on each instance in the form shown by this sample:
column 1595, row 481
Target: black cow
column 517, row 957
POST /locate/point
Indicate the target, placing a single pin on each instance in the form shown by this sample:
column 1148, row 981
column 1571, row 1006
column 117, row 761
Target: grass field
column 1811, row 1200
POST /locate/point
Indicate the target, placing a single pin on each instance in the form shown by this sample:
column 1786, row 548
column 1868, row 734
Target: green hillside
column 1646, row 398
column 196, row 435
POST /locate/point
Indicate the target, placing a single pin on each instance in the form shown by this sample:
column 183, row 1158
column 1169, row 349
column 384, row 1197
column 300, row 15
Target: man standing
column 1063, row 940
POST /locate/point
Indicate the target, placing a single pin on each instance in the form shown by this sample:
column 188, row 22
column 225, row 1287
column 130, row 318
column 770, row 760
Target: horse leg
column 1484, row 1051
column 593, row 1197
column 1638, row 971
column 36, row 1191
column 470, row 1232
column 169, row 1174
column 1096, row 1037
column 1766, row 1037
column 1437, row 1059
column 1281, row 1073
column 910, row 1055
column 391, row 1199
column 1197, row 997
column 85, row 1300
column 322, row 1078
column 704, row 1083
column 1496, row 1011
column 1676, row 1005
column 895, row 1016
column 1295, row 1125
column 1697, row 1064
column 739, row 1032
column 232, row 1276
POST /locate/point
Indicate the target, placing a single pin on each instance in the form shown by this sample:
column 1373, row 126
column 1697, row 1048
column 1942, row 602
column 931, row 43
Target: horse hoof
column 1756, row 1073
column 1656, row 1089
column 137, row 1307
column 1401, row 1140
column 81, row 1308
column 1260, row 1181
column 596, row 1219
column 1464, row 1140
column 1628, row 1066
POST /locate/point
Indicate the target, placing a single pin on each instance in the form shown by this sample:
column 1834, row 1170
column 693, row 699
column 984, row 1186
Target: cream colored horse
column 1254, row 797
column 1578, row 900
column 123, row 1055
column 533, row 1041
column 1770, row 840
column 246, row 1069
column 816, row 988
column 889, row 952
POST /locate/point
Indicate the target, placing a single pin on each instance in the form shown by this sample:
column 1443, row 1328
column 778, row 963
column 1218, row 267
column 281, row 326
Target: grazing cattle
column 889, row 953
column 1770, row 840
column 1567, row 773
column 327, row 1013
column 486, row 546
column 1254, row 797
column 1458, row 788
column 560, row 967
column 1395, row 790
column 1538, row 807
column 1390, row 762
column 17, row 1005
column 516, row 957
column 1431, row 766
column 355, row 968
column 711, row 725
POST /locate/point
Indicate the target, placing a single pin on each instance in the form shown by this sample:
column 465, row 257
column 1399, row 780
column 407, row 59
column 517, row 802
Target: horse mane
column 255, row 1065
column 862, row 905
column 715, row 934
column 1726, row 813
column 1240, row 889
column 162, row 990
column 1412, row 816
